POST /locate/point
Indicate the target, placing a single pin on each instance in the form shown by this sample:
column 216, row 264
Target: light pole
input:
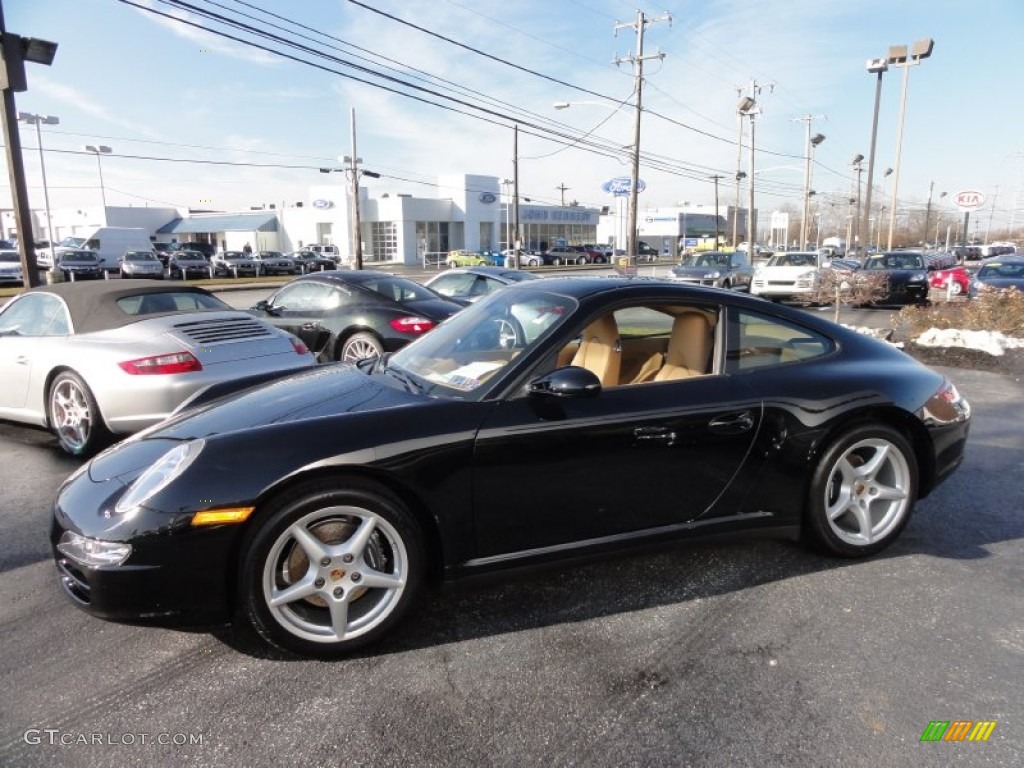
column 99, row 151
column 37, row 120
column 899, row 57
column 507, row 183
column 812, row 143
column 875, row 66
column 857, row 160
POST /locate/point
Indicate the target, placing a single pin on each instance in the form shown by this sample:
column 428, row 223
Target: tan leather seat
column 689, row 348
column 601, row 351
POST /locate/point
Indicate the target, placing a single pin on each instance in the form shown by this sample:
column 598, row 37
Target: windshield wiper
column 405, row 377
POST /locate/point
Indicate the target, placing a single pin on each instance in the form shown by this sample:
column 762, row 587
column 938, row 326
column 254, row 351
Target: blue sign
column 487, row 197
column 621, row 185
column 321, row 203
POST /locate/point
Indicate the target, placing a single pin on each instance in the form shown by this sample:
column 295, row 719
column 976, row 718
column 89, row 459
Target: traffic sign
column 969, row 200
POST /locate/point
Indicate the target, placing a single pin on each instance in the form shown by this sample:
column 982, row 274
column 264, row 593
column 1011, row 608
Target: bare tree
column 837, row 285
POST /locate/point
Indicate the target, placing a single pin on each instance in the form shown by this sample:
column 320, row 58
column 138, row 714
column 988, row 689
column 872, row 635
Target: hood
column 322, row 392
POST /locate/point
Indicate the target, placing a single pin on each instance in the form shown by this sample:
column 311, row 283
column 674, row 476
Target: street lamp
column 899, row 57
column 875, row 66
column 812, row 143
column 37, row 120
column 99, row 151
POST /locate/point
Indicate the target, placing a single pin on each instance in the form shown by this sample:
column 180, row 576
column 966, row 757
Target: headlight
column 93, row 552
column 809, row 275
column 712, row 275
column 919, row 277
column 159, row 475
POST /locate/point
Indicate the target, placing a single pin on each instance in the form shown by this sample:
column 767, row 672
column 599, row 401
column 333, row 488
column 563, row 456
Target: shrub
column 993, row 310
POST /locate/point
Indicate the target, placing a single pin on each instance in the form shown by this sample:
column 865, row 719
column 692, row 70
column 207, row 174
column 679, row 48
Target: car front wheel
column 333, row 567
column 74, row 416
column 863, row 491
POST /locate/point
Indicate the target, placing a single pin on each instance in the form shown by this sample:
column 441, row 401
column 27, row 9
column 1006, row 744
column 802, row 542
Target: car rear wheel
column 74, row 416
column 452, row 264
column 957, row 288
column 862, row 491
column 332, row 568
column 556, row 261
column 360, row 346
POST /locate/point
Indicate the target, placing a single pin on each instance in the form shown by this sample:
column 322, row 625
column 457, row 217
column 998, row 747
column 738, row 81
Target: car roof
column 93, row 304
column 350, row 275
column 488, row 272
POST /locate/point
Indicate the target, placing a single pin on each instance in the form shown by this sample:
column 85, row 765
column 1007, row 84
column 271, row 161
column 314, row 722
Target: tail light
column 412, row 324
column 177, row 362
column 299, row 347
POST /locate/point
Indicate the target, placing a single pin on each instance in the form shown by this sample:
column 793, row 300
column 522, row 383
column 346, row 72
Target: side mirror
column 570, row 381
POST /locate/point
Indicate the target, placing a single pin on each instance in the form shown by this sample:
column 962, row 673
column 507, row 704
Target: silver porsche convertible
column 92, row 360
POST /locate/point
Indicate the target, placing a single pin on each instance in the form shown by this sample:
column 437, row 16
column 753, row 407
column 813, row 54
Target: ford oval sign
column 487, row 198
column 621, row 185
column 321, row 203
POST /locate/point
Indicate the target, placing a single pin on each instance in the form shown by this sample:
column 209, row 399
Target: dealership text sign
column 969, row 200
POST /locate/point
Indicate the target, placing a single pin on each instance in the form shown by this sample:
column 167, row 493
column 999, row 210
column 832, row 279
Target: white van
column 110, row 244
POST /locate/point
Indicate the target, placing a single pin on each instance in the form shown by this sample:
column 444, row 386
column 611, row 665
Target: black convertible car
column 552, row 419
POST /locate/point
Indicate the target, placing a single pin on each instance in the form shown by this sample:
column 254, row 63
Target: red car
column 940, row 280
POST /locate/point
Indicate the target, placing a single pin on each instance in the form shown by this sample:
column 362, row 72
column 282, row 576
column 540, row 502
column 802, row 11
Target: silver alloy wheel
column 868, row 492
column 70, row 414
column 335, row 574
column 957, row 288
column 359, row 347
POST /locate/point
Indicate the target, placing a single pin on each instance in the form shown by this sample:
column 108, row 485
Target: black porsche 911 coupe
column 349, row 315
column 553, row 419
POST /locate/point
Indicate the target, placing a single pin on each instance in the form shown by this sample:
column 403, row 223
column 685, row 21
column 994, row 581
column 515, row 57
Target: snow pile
column 993, row 342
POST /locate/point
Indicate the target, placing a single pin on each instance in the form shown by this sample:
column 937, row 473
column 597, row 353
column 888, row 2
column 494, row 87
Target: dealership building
column 467, row 212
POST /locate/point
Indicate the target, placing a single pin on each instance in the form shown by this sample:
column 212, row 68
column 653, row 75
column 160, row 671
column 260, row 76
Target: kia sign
column 969, row 200
column 620, row 186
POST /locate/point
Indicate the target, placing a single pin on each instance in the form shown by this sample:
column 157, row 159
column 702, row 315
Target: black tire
column 360, row 346
column 866, row 478
column 372, row 537
column 556, row 261
column 74, row 417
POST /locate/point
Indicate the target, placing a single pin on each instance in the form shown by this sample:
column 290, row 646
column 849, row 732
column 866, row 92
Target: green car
column 462, row 258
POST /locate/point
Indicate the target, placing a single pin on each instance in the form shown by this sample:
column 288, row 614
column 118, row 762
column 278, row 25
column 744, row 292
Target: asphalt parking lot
column 742, row 653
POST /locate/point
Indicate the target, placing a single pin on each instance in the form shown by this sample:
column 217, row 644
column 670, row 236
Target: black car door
column 300, row 308
column 549, row 471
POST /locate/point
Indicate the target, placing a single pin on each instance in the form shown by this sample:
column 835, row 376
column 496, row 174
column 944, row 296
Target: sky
column 197, row 120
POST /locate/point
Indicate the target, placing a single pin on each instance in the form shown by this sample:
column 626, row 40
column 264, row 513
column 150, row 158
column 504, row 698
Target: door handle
column 21, row 360
column 659, row 435
column 733, row 423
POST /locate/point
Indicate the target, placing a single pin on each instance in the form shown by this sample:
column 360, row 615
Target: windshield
column 73, row 242
column 9, row 256
column 793, row 260
column 139, row 256
column 463, row 353
column 169, row 301
column 1002, row 271
column 895, row 261
column 707, row 260
column 78, row 256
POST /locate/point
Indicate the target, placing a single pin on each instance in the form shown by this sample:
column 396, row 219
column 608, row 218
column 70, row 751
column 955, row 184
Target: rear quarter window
column 761, row 341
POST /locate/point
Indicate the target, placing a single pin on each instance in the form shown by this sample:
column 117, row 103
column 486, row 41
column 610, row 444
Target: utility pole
column 718, row 235
column 516, row 242
column 752, row 111
column 928, row 215
column 563, row 189
column 353, row 168
column 638, row 68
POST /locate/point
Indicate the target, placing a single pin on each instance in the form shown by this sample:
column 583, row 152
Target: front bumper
column 175, row 575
